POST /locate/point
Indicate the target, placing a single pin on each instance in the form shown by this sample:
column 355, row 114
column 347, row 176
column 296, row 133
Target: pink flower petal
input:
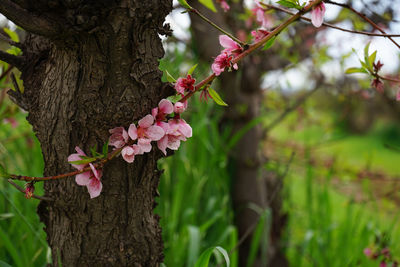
column 185, row 128
column 145, row 145
column 179, row 107
column 94, row 187
column 96, row 173
column 132, row 131
column 317, row 14
column 80, row 152
column 226, row 42
column 173, row 143
column 162, row 144
column 166, row 106
column 76, row 157
column 154, row 112
column 146, row 122
column 155, row 133
column 83, row 178
column 128, row 154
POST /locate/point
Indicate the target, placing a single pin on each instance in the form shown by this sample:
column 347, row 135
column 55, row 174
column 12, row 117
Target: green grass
column 326, row 227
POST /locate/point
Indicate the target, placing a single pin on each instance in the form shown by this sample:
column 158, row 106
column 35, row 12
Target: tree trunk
column 92, row 66
column 251, row 186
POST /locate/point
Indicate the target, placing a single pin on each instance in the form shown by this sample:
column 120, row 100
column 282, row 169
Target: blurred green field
column 326, row 227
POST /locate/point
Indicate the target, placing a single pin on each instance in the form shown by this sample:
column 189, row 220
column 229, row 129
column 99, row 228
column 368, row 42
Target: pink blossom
column 176, row 130
column 29, row 189
column 76, row 157
column 317, row 14
column 91, row 179
column 146, row 132
column 221, row 62
column 259, row 34
column 164, row 108
column 377, row 84
column 382, row 264
column 398, row 95
column 231, row 47
column 119, row 137
column 224, row 5
column 129, row 152
column 180, row 107
column 204, row 95
column 261, row 17
column 183, row 84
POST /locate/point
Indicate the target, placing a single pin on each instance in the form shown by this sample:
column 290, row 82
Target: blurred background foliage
column 338, row 154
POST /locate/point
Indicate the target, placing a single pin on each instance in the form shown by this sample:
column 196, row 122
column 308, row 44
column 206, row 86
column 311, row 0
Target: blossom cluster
column 164, row 126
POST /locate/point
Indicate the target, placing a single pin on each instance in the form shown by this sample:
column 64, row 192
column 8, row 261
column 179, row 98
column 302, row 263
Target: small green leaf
column 216, row 97
column 269, row 43
column 289, row 4
column 192, row 69
column 83, row 161
column 371, row 58
column 174, row 98
column 356, row 70
column 365, row 66
column 204, row 258
column 105, row 149
column 170, row 78
column 13, row 35
column 209, row 4
column 184, row 4
column 366, row 49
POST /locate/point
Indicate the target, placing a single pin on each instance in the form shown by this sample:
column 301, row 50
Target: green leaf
column 105, row 149
column 204, row 258
column 356, row 70
column 83, row 161
column 184, row 4
column 269, row 43
column 3, row 172
column 366, row 49
column 371, row 58
column 216, row 97
column 13, row 35
column 192, row 69
column 170, row 78
column 209, row 4
column 289, row 4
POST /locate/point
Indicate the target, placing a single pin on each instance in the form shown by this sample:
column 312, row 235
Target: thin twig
column 288, row 110
column 331, row 25
column 4, row 74
column 195, row 11
column 19, row 188
column 4, row 38
column 364, row 17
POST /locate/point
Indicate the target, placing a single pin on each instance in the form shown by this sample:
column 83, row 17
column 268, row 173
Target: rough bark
column 97, row 69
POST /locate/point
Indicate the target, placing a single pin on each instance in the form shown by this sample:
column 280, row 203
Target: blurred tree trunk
column 251, row 185
column 89, row 66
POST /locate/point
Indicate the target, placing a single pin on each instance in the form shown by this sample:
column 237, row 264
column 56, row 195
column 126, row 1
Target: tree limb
column 27, row 20
column 16, row 61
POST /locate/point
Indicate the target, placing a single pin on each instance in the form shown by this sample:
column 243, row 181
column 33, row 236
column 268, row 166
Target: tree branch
column 331, row 25
column 373, row 24
column 16, row 61
column 9, row 41
column 19, row 188
column 27, row 20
